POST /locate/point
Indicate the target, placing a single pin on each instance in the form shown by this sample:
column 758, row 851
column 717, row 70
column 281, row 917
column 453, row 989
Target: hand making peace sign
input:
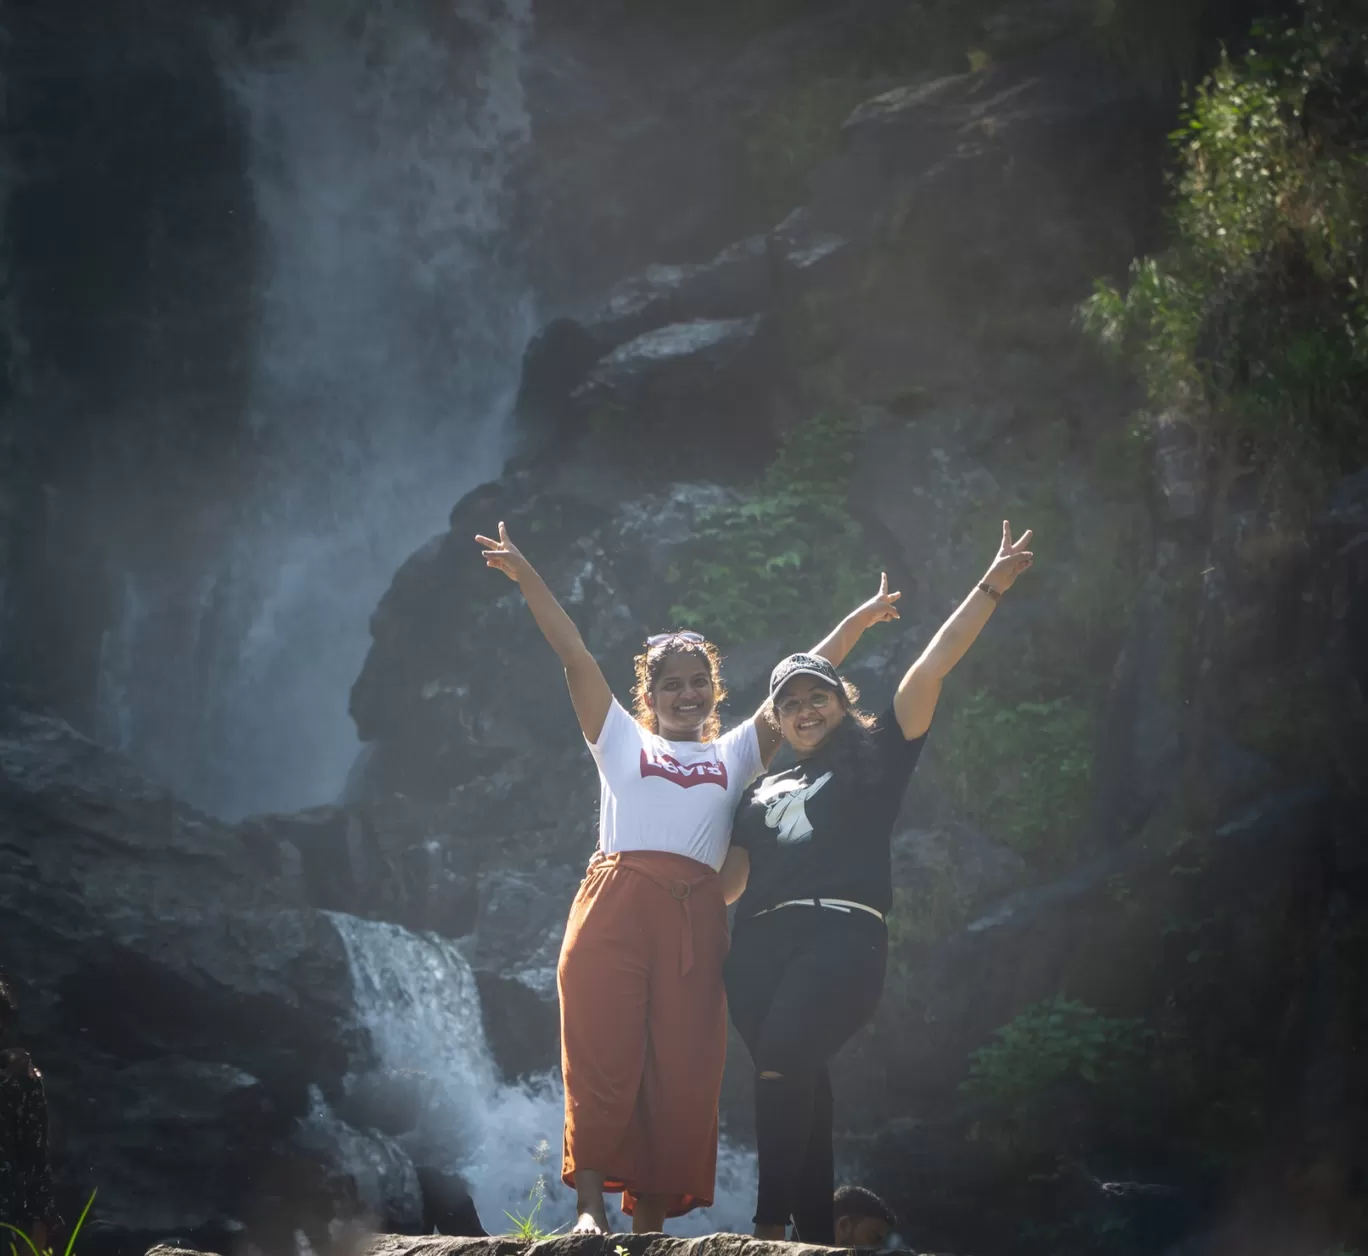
column 881, row 607
column 503, row 555
column 1012, row 559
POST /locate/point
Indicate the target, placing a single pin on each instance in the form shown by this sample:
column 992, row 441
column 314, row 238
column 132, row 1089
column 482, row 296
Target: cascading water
column 416, row 997
column 392, row 316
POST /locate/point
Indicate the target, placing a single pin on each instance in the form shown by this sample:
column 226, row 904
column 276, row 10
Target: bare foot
column 591, row 1222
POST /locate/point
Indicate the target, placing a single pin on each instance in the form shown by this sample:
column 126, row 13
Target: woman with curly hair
column 643, row 1010
column 810, row 849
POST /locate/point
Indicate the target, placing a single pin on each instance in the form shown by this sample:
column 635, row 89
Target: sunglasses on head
column 693, row 638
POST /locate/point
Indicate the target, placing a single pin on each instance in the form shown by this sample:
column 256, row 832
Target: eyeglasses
column 693, row 638
column 818, row 699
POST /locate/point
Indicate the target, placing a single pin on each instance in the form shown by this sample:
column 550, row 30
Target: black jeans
column 801, row 982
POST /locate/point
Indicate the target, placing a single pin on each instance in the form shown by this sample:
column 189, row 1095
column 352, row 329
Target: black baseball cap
column 803, row 665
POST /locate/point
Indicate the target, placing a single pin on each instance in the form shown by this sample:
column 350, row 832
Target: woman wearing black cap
column 643, row 1014
column 810, row 847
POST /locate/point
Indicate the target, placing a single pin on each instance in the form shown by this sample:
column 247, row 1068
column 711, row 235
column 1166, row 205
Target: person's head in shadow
column 862, row 1218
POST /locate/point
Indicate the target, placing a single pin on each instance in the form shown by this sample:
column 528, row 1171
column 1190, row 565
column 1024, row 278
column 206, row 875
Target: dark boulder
column 521, row 1025
column 554, row 364
column 380, row 862
column 188, row 1007
column 521, row 922
column 931, row 128
column 517, row 943
column 387, row 1100
column 447, row 1206
column 735, row 284
column 144, row 924
column 806, row 255
column 700, row 389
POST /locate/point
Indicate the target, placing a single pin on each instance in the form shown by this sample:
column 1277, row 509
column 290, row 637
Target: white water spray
column 416, row 997
column 392, row 317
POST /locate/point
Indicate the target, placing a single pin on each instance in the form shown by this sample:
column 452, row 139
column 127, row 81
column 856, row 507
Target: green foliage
column 32, row 1247
column 1056, row 1040
column 1254, row 323
column 526, row 1226
column 1020, row 769
column 789, row 555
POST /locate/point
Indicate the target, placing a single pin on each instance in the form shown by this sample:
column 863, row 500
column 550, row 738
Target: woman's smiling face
column 683, row 696
column 809, row 711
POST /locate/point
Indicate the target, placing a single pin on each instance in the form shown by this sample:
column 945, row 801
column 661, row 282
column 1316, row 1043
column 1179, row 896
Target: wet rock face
column 733, row 285
column 179, row 1003
column 685, row 392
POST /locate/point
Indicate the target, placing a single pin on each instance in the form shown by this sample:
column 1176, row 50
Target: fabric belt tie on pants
column 678, row 888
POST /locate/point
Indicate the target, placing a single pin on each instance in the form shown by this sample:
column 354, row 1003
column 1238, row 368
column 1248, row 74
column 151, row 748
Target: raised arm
column 841, row 640
column 833, row 647
column 588, row 689
column 915, row 702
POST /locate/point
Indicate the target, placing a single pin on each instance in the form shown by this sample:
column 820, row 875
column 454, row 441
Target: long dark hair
column 648, row 666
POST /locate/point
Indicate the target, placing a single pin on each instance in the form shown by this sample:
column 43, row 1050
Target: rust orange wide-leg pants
column 644, row 1026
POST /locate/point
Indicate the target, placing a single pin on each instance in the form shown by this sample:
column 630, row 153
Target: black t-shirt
column 821, row 829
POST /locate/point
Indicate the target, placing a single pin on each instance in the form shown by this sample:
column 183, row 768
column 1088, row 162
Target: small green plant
column 1050, row 1042
column 526, row 1226
column 789, row 554
column 33, row 1248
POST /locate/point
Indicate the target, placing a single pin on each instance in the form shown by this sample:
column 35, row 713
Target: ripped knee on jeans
column 769, row 1075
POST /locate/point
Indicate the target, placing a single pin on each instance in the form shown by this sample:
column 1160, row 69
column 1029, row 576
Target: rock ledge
column 568, row 1245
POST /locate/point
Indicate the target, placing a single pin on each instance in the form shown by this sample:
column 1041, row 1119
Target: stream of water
column 392, row 314
column 416, row 998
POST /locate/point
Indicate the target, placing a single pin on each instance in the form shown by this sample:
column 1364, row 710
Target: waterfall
column 390, row 323
column 416, row 997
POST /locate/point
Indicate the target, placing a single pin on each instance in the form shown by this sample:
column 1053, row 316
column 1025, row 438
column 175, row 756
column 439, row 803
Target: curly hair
column 648, row 665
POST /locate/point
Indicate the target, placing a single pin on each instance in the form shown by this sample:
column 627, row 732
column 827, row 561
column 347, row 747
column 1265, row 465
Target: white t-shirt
column 677, row 796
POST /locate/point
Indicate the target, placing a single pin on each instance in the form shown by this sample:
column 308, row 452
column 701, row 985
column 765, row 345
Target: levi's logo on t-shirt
column 684, row 774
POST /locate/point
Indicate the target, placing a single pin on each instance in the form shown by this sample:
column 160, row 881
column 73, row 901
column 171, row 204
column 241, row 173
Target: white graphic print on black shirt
column 821, row 828
column 784, row 802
